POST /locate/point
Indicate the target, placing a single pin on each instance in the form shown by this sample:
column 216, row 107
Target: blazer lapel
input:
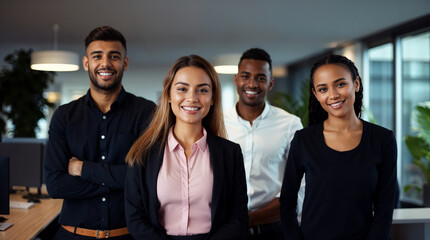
column 217, row 166
column 154, row 162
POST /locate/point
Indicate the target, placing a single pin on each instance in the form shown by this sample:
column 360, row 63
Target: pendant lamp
column 55, row 60
column 227, row 63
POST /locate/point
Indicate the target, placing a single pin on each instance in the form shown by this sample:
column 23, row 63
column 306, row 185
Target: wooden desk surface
column 30, row 222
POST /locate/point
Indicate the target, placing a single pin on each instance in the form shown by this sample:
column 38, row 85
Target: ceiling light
column 227, row 63
column 226, row 69
column 55, row 60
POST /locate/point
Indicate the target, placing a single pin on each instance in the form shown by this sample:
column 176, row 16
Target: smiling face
column 335, row 90
column 191, row 95
column 253, row 82
column 105, row 62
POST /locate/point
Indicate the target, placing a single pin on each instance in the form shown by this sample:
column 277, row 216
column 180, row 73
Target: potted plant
column 22, row 94
column 288, row 103
column 419, row 147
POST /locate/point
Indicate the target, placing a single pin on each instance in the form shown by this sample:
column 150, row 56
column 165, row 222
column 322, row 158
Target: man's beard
column 110, row 87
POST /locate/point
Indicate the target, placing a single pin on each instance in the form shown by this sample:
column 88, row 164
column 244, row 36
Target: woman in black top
column 349, row 164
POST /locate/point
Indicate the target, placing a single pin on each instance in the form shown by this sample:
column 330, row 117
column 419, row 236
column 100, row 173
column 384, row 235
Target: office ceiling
column 158, row 32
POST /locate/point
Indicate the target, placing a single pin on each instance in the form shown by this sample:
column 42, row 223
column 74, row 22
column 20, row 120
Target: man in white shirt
column 264, row 133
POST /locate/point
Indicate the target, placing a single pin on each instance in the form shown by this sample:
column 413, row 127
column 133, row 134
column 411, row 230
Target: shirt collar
column 263, row 115
column 174, row 145
column 118, row 101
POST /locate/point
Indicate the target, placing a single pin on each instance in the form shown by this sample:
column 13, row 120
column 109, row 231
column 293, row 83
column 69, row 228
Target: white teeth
column 336, row 104
column 250, row 92
column 105, row 74
column 191, row 108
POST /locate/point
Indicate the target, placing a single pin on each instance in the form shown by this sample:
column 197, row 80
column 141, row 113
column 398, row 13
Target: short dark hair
column 105, row 33
column 257, row 54
column 316, row 112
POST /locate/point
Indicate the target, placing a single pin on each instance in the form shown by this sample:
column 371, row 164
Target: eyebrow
column 186, row 84
column 258, row 74
column 110, row 52
column 324, row 84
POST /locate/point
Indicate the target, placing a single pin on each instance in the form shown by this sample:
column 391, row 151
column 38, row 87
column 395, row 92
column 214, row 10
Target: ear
column 235, row 80
column 125, row 63
column 357, row 84
column 271, row 83
column 85, row 63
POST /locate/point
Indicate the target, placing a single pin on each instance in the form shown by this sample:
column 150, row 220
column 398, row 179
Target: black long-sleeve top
column 79, row 129
column 342, row 188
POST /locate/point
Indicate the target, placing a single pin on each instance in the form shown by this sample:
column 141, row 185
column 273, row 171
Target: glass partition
column 415, row 86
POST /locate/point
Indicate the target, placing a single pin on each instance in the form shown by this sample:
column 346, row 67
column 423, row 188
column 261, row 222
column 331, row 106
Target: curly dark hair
column 316, row 113
column 257, row 54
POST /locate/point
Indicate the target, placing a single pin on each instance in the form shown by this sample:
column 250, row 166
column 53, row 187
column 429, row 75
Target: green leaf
column 422, row 116
column 21, row 93
column 288, row 103
column 408, row 187
column 417, row 146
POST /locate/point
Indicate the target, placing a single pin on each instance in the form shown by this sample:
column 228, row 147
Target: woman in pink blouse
column 185, row 180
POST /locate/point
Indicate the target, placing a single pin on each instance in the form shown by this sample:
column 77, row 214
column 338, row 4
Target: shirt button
column 103, row 157
column 103, row 183
column 103, row 136
column 103, row 199
column 104, row 117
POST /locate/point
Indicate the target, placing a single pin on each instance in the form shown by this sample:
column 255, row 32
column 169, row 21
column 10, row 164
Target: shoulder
column 72, row 107
column 280, row 114
column 139, row 101
column 230, row 114
column 221, row 142
column 311, row 131
column 376, row 130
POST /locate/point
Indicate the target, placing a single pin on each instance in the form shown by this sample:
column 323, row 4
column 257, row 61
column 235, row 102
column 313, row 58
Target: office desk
column 28, row 223
column 411, row 223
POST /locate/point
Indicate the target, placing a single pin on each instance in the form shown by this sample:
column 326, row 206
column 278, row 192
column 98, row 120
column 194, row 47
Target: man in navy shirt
column 88, row 141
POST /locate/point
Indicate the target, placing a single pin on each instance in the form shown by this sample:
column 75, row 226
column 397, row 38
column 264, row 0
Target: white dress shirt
column 265, row 147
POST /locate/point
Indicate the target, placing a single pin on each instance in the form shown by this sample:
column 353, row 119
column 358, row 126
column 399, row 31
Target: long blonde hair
column 164, row 118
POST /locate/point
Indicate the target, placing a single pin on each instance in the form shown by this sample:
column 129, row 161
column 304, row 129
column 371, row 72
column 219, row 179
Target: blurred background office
column 389, row 41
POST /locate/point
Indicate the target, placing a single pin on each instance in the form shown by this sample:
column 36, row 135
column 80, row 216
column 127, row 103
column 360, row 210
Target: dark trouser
column 271, row 231
column 63, row 234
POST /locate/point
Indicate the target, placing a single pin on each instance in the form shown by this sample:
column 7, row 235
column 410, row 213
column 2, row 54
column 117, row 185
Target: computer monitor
column 4, row 185
column 26, row 162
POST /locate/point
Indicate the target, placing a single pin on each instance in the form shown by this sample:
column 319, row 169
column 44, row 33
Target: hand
column 75, row 166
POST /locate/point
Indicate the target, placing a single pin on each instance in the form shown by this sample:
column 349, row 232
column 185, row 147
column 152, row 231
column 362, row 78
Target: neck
column 249, row 113
column 187, row 134
column 342, row 124
column 104, row 99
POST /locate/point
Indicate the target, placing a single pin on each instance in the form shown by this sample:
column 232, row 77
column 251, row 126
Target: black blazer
column 229, row 198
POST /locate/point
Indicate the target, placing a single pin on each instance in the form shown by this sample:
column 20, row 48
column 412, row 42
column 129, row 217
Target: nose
column 105, row 62
column 333, row 93
column 252, row 82
column 191, row 96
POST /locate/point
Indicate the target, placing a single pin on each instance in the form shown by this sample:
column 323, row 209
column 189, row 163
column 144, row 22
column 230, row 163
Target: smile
column 251, row 92
column 337, row 104
column 105, row 73
column 190, row 108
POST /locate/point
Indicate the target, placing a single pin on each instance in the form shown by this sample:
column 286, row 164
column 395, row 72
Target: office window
column 381, row 85
column 415, row 85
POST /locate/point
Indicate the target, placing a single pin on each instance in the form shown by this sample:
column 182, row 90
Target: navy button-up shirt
column 79, row 129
